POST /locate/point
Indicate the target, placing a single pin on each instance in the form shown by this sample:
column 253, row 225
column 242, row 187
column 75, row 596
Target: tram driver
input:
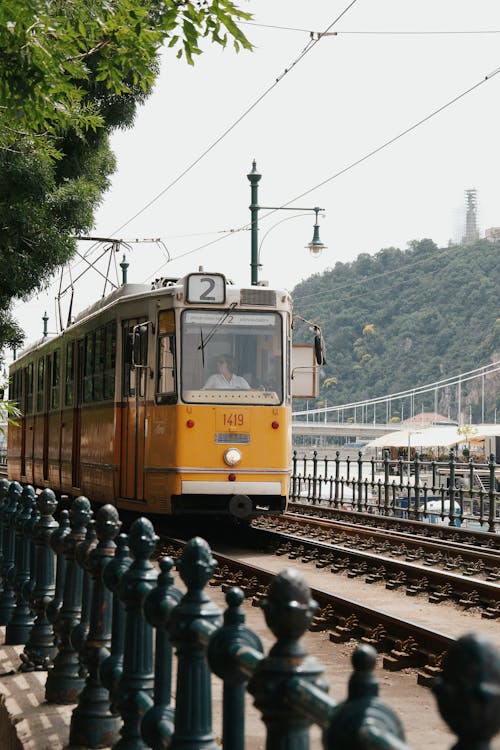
column 225, row 378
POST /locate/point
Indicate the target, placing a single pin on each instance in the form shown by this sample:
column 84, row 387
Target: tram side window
column 55, row 379
column 70, row 373
column 109, row 360
column 88, row 369
column 128, row 370
column 40, row 383
column 15, row 388
column 98, row 372
column 166, row 385
column 135, row 351
column 28, row 375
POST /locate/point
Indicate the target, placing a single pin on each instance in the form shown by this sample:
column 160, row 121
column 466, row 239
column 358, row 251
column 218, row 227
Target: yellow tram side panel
column 175, row 452
column 99, row 453
column 14, row 442
column 66, row 464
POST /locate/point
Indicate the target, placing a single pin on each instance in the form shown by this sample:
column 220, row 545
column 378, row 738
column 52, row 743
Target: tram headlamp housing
column 232, row 456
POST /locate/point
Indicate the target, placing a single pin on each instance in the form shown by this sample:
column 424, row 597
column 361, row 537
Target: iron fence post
column 360, row 481
column 112, row 666
column 7, row 598
column 135, row 689
column 4, row 491
column 224, row 645
column 416, row 486
column 337, row 477
column 386, row 482
column 92, row 723
column 451, row 491
column 294, row 475
column 157, row 727
column 56, row 542
column 19, row 627
column 193, row 710
column 64, row 680
column 468, row 691
column 40, row 650
column 288, row 609
column 315, row 477
column 81, row 629
column 492, row 493
column 363, row 721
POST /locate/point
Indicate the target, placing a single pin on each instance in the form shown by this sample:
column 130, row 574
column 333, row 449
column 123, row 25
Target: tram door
column 134, row 372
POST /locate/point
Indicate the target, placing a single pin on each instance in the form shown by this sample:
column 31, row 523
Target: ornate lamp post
column 315, row 247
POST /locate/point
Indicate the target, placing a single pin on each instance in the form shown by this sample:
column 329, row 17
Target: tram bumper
column 241, row 500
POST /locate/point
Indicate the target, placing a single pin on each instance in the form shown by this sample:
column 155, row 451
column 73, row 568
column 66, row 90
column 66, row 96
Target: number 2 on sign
column 234, row 420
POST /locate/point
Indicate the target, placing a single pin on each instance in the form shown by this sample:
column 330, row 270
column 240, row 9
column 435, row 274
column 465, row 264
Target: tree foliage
column 70, row 72
column 398, row 319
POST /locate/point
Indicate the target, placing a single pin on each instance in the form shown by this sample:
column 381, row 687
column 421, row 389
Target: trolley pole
column 254, row 178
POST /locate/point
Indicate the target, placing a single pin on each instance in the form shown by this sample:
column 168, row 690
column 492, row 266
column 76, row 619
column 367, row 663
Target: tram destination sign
column 246, row 318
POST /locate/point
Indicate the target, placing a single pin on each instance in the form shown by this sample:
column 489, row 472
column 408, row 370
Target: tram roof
column 131, row 291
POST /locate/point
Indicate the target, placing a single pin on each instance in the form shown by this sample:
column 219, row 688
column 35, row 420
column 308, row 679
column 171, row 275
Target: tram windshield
column 232, row 357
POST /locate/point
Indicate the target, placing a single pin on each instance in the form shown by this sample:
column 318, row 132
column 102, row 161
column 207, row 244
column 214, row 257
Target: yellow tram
column 173, row 398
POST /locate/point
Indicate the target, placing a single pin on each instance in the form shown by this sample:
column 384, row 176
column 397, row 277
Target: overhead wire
column 311, row 44
column 350, row 166
column 384, row 274
column 373, row 32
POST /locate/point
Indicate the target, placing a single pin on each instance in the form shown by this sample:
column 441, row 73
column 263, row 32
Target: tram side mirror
column 139, row 347
column 319, row 349
column 129, row 349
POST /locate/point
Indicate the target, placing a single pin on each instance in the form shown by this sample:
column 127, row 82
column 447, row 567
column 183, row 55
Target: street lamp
column 315, row 246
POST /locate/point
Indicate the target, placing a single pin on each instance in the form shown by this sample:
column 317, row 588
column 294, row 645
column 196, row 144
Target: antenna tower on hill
column 471, row 231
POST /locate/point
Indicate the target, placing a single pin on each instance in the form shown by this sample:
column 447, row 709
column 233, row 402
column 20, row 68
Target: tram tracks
column 407, row 566
column 461, row 535
column 403, row 643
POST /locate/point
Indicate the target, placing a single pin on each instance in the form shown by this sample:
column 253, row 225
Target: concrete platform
column 27, row 722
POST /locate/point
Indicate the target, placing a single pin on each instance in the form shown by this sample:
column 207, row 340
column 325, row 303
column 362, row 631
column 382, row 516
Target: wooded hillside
column 402, row 318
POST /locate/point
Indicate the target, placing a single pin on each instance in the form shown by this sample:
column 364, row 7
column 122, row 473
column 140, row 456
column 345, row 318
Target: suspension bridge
column 374, row 417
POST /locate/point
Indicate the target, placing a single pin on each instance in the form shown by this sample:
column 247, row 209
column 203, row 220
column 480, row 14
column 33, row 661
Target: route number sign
column 206, row 288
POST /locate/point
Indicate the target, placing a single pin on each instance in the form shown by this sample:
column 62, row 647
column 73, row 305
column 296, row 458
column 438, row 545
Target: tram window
column 165, row 385
column 98, row 369
column 109, row 360
column 28, row 375
column 40, row 384
column 55, row 379
column 232, row 357
column 128, row 371
column 88, row 368
column 135, row 368
column 16, row 382
column 70, row 372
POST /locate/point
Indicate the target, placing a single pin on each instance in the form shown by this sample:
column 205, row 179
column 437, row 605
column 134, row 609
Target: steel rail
column 404, row 642
column 449, row 548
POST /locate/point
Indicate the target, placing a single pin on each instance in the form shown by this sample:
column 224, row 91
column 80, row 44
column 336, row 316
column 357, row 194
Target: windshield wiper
column 203, row 343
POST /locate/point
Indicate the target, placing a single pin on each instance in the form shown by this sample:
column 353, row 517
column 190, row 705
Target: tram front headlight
column 232, row 456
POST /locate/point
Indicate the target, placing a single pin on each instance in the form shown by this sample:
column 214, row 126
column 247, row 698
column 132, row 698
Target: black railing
column 88, row 612
column 452, row 492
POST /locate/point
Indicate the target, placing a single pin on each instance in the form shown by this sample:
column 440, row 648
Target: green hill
column 403, row 318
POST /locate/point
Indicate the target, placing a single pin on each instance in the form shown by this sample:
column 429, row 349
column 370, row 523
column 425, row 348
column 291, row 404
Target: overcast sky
column 348, row 95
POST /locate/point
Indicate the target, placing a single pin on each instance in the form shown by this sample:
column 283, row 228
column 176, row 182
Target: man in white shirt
column 225, row 378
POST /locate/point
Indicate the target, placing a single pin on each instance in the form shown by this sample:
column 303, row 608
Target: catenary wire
column 347, row 168
column 373, row 32
column 311, row 44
